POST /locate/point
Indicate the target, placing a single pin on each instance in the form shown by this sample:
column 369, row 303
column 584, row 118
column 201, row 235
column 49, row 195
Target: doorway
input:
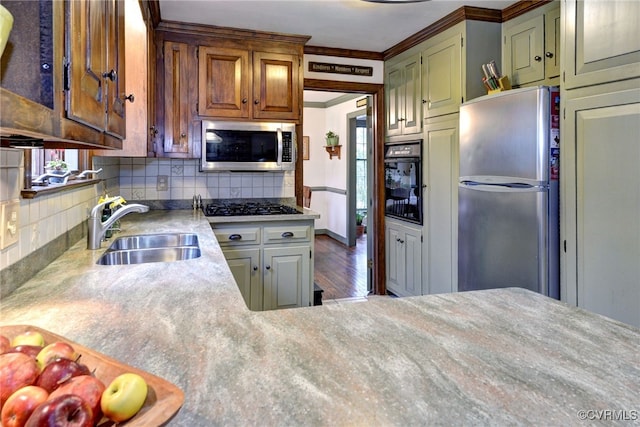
column 359, row 129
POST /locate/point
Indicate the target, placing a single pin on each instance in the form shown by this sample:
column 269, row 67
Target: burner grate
column 249, row 208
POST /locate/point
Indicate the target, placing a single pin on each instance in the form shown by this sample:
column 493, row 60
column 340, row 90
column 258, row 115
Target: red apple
column 17, row 370
column 56, row 350
column 29, row 350
column 59, row 371
column 88, row 387
column 5, row 344
column 21, row 404
column 67, row 410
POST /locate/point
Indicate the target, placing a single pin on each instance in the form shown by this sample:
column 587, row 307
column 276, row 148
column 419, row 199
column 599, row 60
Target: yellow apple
column 124, row 397
column 55, row 350
column 28, row 338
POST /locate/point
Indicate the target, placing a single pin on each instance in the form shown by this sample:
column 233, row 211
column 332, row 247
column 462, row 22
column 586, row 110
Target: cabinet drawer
column 238, row 236
column 298, row 233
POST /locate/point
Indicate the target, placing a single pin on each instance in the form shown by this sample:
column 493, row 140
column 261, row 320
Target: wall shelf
column 333, row 150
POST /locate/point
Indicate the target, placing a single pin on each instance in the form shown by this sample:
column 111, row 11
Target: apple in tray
column 67, row 410
column 17, row 370
column 21, row 404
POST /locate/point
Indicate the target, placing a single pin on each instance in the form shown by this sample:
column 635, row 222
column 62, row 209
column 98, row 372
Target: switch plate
column 162, row 183
column 9, row 223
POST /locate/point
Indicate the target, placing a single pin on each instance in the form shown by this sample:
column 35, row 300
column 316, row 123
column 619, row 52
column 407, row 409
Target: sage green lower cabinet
column 404, row 258
column 272, row 262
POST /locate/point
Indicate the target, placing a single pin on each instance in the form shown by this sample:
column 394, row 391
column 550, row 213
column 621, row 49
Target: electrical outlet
column 9, row 223
column 163, row 183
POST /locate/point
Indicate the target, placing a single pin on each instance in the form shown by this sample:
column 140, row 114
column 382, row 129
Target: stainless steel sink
column 141, row 256
column 144, row 241
column 144, row 248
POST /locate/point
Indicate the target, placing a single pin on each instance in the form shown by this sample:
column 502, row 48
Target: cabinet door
column 441, row 178
column 524, row 44
column 394, row 87
column 552, row 44
column 115, row 66
column 412, row 246
column 442, row 78
column 85, row 102
column 175, row 117
column 245, row 267
column 412, row 103
column 223, row 82
column 394, row 240
column 286, row 275
column 600, row 180
column 276, row 86
column 602, row 41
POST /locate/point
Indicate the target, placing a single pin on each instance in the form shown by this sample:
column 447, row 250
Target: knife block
column 504, row 84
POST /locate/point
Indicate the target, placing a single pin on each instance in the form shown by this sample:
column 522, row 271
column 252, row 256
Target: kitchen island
column 497, row 357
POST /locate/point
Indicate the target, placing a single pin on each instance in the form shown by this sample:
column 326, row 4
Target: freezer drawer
column 502, row 238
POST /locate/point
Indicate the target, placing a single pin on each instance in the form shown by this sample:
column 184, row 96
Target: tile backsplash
column 138, row 180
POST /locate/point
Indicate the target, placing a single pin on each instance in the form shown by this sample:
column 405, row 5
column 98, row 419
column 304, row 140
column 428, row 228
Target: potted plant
column 359, row 226
column 57, row 166
column 331, row 138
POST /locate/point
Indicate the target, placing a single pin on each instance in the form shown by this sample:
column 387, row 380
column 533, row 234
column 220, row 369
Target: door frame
column 377, row 215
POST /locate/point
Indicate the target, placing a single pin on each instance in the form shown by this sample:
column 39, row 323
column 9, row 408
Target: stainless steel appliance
column 403, row 180
column 248, row 146
column 227, row 208
column 508, row 221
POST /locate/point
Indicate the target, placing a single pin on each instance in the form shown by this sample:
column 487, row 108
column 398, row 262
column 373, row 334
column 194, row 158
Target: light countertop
column 498, row 357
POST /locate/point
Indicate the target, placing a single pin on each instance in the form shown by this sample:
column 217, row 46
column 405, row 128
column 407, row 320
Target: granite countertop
column 497, row 357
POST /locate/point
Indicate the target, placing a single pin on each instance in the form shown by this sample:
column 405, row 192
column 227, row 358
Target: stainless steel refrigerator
column 508, row 220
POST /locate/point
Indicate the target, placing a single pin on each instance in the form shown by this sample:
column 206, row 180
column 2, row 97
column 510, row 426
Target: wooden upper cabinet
column 95, row 51
column 224, row 82
column 175, row 101
column 116, row 124
column 275, row 86
column 87, row 59
column 240, row 83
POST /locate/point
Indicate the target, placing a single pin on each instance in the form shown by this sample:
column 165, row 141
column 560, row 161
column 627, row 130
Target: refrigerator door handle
column 509, row 184
column 508, row 187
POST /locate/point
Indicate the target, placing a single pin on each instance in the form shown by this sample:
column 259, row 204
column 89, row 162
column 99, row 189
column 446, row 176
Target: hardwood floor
column 340, row 271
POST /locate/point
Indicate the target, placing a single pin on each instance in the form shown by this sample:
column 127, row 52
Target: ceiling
column 346, row 24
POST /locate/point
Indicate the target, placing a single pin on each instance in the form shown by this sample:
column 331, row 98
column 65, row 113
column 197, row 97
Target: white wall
column 319, row 171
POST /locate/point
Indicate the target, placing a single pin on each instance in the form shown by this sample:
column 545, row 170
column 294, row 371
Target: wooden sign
column 354, row 70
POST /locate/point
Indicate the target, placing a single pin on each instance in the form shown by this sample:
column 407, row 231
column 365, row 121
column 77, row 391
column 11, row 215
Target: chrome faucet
column 97, row 228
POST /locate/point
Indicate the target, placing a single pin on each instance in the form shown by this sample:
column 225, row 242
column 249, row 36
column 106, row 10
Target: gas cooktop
column 248, row 208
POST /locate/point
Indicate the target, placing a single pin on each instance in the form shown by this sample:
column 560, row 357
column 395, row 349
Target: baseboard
column 331, row 234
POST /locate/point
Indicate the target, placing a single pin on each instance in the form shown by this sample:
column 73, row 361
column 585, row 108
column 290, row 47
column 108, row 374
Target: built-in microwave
column 248, row 146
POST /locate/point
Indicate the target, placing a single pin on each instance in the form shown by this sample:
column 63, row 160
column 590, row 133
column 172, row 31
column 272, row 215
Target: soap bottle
column 106, row 213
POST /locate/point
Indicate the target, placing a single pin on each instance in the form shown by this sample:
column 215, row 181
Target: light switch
column 9, row 223
column 162, row 183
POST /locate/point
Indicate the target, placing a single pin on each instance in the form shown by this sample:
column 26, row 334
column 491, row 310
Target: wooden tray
column 163, row 398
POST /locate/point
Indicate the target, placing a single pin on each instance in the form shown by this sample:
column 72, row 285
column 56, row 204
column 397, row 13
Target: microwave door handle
column 279, row 159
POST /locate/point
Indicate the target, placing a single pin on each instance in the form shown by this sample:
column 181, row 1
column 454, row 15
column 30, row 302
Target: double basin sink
column 144, row 248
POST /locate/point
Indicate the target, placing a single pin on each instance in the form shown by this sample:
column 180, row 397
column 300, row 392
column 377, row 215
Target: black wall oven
column 403, row 180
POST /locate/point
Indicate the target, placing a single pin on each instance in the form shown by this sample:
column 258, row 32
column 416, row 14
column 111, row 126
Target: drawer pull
column 235, row 237
column 287, row 234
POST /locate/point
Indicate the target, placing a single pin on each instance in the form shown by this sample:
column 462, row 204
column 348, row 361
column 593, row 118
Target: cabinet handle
column 183, row 135
column 245, row 100
column 111, row 75
column 235, row 237
column 287, row 234
column 401, row 120
column 268, row 267
column 399, row 240
column 255, row 268
column 256, row 102
column 549, row 54
column 538, row 58
column 129, row 98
